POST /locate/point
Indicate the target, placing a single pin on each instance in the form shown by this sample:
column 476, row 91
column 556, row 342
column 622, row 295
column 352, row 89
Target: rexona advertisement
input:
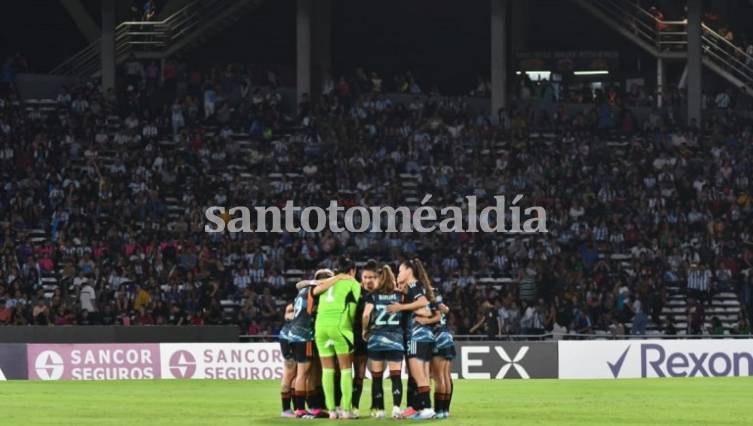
column 622, row 359
column 239, row 361
column 93, row 361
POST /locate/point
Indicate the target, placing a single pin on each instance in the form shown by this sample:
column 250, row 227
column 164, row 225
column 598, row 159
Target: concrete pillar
column 694, row 61
column 659, row 81
column 108, row 45
column 499, row 54
column 303, row 47
column 322, row 46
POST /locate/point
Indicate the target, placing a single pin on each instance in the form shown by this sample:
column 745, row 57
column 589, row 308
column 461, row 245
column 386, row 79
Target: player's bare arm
column 368, row 308
column 313, row 283
column 324, row 285
column 417, row 304
column 433, row 319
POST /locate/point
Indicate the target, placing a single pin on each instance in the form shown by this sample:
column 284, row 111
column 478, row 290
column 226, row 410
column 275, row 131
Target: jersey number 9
column 297, row 307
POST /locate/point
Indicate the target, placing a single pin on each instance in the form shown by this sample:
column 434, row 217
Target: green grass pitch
column 697, row 401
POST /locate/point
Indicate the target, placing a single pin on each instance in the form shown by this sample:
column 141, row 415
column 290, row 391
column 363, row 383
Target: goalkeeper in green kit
column 333, row 333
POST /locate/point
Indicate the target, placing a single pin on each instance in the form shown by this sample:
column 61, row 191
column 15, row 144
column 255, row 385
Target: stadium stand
column 104, row 196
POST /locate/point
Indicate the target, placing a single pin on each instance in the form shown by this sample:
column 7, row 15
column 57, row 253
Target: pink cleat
column 318, row 413
column 408, row 412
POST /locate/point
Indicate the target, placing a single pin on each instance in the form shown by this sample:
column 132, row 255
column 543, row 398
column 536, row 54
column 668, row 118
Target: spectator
column 716, row 326
column 658, row 17
column 41, row 313
column 142, row 298
column 699, row 281
column 5, row 313
column 696, row 317
column 669, row 326
column 87, row 298
column 640, row 320
column 150, row 10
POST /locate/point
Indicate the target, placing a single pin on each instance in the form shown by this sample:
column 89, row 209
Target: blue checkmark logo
column 617, row 366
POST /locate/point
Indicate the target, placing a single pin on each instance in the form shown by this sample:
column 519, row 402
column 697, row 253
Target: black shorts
column 420, row 350
column 287, row 350
column 446, row 352
column 391, row 356
column 360, row 347
column 303, row 351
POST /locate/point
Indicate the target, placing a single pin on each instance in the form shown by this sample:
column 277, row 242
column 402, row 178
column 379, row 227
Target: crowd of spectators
column 100, row 176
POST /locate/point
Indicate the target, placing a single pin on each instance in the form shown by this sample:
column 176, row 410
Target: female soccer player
column 418, row 293
column 383, row 332
column 369, row 276
column 301, row 337
column 289, row 367
column 333, row 333
column 444, row 353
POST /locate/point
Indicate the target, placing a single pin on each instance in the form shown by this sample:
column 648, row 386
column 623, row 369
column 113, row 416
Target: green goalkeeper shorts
column 333, row 340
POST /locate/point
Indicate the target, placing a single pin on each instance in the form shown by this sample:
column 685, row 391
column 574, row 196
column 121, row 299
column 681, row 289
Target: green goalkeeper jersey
column 337, row 305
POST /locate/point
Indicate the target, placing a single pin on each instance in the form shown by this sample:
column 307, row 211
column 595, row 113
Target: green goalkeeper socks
column 346, row 384
column 328, row 383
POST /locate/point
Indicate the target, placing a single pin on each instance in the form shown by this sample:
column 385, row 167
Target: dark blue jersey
column 284, row 331
column 438, row 300
column 386, row 332
column 442, row 336
column 301, row 327
column 417, row 332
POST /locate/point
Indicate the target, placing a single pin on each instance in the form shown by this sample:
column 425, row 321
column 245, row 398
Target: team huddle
column 335, row 327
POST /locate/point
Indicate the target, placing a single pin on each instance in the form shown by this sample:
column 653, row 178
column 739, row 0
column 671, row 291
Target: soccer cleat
column 378, row 414
column 288, row 414
column 425, row 414
column 396, row 414
column 354, row 414
column 408, row 412
column 441, row 415
column 333, row 415
column 301, row 414
column 318, row 413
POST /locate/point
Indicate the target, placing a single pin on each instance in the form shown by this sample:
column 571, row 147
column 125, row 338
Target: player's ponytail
column 386, row 280
column 419, row 273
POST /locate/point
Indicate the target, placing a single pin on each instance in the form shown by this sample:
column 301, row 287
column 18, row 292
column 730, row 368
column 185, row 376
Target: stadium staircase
column 724, row 305
column 642, row 28
column 190, row 26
